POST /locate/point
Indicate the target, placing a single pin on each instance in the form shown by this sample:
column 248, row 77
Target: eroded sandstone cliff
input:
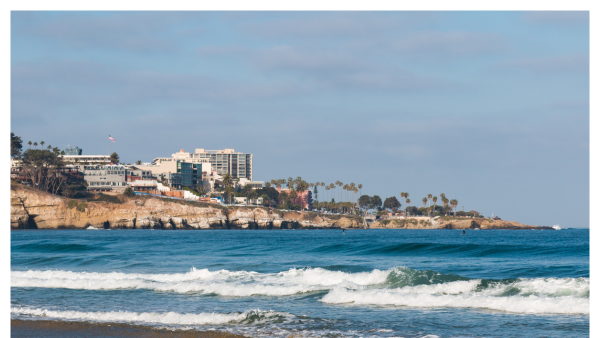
column 34, row 209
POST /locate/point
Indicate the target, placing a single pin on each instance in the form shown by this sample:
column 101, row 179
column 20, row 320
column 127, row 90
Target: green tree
column 391, row 203
column 407, row 203
column 429, row 198
column 434, row 202
column 375, row 203
column 228, row 185
column 114, row 158
column 138, row 162
column 35, row 144
column 364, row 202
column 42, row 168
column 29, row 143
column 42, row 143
column 16, row 145
column 266, row 199
column 129, row 192
column 247, row 189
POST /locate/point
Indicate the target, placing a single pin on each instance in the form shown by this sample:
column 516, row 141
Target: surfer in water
column 464, row 232
column 343, row 231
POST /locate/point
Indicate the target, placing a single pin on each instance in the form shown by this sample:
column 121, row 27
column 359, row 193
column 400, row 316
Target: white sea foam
column 168, row 318
column 223, row 282
column 532, row 295
column 539, row 295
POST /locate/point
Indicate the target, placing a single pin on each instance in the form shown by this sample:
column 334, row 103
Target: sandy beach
column 51, row 329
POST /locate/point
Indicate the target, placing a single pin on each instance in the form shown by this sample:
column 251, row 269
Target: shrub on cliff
column 129, row 192
column 81, row 207
column 72, row 204
column 108, row 198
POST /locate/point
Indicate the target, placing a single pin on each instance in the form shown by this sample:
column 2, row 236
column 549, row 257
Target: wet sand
column 58, row 329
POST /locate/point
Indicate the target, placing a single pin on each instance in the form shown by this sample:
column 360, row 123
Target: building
column 143, row 185
column 87, row 159
column 254, row 184
column 244, row 200
column 105, row 177
column 134, row 173
column 179, row 173
column 73, row 151
column 238, row 165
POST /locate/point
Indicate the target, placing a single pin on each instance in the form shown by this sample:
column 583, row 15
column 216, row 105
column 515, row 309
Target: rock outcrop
column 33, row 209
column 455, row 223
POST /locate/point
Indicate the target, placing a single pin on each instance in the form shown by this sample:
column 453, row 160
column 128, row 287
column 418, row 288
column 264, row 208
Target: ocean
column 309, row 283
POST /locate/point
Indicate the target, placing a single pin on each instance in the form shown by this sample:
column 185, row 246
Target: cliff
column 455, row 223
column 33, row 209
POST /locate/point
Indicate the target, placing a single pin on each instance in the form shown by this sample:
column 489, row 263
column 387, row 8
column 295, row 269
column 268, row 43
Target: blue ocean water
column 364, row 283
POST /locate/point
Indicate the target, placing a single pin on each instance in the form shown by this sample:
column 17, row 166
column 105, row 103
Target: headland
column 35, row 209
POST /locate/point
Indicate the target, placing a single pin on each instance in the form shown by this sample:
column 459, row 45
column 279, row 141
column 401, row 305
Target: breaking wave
column 166, row 318
column 394, row 287
column 223, row 282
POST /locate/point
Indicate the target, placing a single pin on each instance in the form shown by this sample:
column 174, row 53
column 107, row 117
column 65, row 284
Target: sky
column 490, row 108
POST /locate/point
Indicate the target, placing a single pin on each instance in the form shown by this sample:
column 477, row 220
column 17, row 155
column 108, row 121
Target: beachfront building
column 239, row 184
column 144, row 185
column 86, row 159
column 180, row 172
column 134, row 173
column 238, row 165
column 105, row 177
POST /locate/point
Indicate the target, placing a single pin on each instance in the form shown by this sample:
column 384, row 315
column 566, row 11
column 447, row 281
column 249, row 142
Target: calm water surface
column 366, row 283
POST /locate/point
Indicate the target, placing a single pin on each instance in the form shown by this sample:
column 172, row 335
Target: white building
column 238, row 165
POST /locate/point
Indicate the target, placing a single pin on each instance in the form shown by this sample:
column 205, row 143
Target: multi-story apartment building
column 105, row 178
column 238, row 165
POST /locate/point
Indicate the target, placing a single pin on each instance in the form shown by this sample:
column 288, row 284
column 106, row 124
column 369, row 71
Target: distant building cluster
column 203, row 170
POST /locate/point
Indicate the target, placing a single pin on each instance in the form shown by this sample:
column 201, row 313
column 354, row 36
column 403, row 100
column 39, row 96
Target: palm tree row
column 449, row 205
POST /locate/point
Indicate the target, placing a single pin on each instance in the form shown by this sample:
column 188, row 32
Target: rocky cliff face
column 465, row 223
column 35, row 209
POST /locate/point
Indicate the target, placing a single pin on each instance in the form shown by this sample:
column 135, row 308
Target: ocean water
column 311, row 283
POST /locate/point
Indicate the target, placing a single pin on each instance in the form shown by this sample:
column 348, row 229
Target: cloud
column 561, row 18
column 440, row 45
column 289, row 58
column 549, row 66
column 337, row 24
column 135, row 31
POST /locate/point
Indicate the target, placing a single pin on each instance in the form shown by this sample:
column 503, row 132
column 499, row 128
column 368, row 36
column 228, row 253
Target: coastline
column 33, row 209
column 59, row 329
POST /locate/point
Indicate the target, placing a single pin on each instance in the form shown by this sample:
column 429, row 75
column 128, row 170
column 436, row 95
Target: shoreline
column 31, row 209
column 68, row 329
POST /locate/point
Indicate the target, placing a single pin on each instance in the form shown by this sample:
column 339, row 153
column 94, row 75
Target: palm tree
column 429, row 198
column 434, row 201
column 228, row 183
column 35, row 144
column 454, row 203
column 424, row 201
column 445, row 202
column 359, row 190
column 332, row 186
column 407, row 203
column 49, row 147
column 42, row 143
column 339, row 184
column 29, row 144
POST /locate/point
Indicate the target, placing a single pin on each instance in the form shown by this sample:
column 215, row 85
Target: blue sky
column 491, row 108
